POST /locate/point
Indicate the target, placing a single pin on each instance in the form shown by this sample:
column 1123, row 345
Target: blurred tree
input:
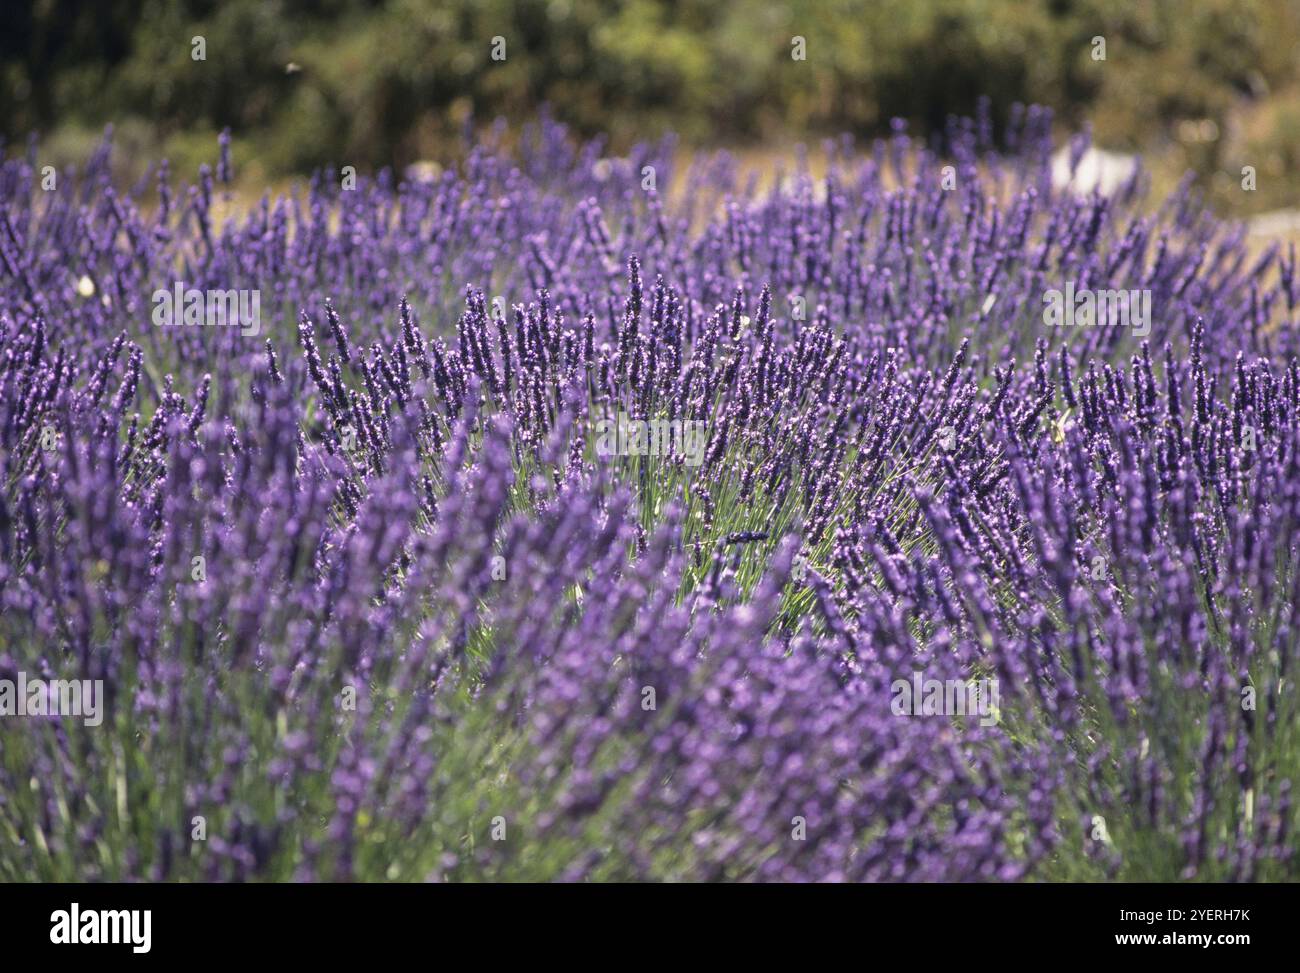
column 377, row 82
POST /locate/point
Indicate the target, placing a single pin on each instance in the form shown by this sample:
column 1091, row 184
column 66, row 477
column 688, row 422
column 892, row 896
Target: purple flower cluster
column 367, row 601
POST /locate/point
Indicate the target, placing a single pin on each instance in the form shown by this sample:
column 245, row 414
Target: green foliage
column 385, row 82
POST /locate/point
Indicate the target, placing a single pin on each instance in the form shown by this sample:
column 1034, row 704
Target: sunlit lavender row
column 900, row 516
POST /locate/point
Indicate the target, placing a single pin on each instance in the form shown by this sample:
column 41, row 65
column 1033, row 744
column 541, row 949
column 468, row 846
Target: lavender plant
column 371, row 592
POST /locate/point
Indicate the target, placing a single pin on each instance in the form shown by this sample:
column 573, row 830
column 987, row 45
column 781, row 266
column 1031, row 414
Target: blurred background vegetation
column 1210, row 85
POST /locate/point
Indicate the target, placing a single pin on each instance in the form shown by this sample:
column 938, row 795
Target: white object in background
column 1098, row 169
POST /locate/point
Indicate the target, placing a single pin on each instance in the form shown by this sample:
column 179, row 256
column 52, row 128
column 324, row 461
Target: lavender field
column 567, row 517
